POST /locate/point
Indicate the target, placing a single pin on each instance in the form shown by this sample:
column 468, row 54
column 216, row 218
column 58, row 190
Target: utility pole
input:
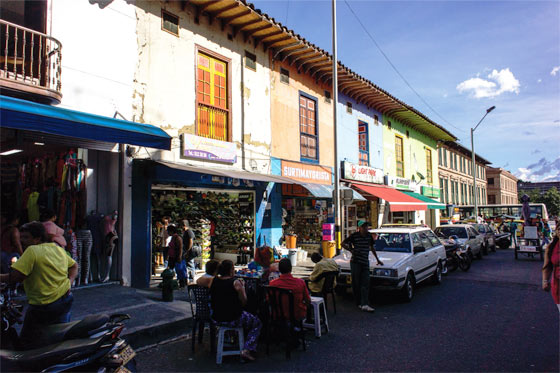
column 337, row 206
column 475, row 193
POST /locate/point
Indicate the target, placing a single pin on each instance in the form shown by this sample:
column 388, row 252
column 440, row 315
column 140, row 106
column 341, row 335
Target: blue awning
column 27, row 115
column 326, row 191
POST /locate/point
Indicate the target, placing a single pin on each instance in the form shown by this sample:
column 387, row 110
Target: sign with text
column 352, row 171
column 307, row 173
column 430, row 191
column 209, row 149
column 398, row 182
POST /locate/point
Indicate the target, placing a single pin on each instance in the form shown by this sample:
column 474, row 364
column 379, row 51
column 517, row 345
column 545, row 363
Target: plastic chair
column 318, row 322
column 286, row 326
column 221, row 335
column 328, row 287
column 199, row 297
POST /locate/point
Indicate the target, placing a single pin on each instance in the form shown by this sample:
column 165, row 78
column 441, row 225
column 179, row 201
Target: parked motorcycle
column 91, row 344
column 457, row 256
column 503, row 240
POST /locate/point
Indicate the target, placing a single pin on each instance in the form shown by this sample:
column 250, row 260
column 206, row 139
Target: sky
column 461, row 57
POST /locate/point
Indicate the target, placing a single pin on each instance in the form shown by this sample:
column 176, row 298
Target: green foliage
column 551, row 199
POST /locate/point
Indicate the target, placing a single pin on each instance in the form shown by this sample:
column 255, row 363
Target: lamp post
column 475, row 194
column 337, row 204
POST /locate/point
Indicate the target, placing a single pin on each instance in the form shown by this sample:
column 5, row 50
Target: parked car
column 466, row 235
column 410, row 255
column 488, row 237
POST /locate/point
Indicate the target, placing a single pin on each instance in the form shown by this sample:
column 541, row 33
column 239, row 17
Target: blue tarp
column 31, row 116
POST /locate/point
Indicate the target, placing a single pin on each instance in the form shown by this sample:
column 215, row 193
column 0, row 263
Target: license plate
column 528, row 248
column 126, row 355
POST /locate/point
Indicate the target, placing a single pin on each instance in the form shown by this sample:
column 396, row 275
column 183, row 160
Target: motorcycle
column 91, row 344
column 503, row 240
column 457, row 256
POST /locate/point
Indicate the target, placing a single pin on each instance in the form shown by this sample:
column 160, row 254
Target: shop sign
column 398, row 182
column 356, row 172
column 430, row 191
column 209, row 149
column 307, row 173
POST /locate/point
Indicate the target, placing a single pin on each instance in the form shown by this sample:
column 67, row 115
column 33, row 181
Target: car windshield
column 393, row 242
column 451, row 231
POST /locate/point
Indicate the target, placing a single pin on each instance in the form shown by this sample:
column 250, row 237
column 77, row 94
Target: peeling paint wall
column 164, row 82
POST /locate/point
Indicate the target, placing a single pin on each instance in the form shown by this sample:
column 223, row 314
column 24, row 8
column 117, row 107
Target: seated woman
column 227, row 299
column 211, row 269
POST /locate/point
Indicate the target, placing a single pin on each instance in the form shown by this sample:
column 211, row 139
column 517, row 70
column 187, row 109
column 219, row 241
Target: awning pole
column 337, row 207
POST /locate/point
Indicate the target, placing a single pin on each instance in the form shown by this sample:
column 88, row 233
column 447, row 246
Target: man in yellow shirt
column 322, row 265
column 47, row 273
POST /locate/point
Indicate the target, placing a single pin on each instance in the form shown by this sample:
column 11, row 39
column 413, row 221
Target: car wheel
column 470, row 254
column 408, row 288
column 436, row 277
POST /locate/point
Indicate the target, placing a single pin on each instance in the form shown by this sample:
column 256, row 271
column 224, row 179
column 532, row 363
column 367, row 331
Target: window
column 376, row 120
column 308, row 128
column 455, row 161
column 284, row 76
column 389, row 124
column 440, row 161
column 446, row 190
column 399, row 155
column 169, row 23
column 491, row 181
column 212, row 98
column 327, row 96
column 441, row 197
column 425, row 240
column 363, row 143
column 250, row 61
column 491, row 199
column 433, row 238
column 429, row 166
column 445, row 157
column 349, row 107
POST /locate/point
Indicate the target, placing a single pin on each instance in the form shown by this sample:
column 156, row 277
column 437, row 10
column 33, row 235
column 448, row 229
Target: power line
column 396, row 70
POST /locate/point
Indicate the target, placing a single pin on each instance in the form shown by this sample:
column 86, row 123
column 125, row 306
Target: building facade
column 542, row 187
column 502, row 187
column 456, row 175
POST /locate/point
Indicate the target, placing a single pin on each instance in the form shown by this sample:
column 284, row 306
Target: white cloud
column 555, row 70
column 542, row 170
column 539, row 81
column 498, row 82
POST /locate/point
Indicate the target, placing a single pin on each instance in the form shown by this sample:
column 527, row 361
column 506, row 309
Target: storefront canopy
column 326, row 191
column 27, row 115
column 432, row 204
column 398, row 201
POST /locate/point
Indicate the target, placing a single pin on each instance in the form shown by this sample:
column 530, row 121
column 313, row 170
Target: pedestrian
column 54, row 232
column 189, row 251
column 10, row 241
column 228, row 298
column 422, row 224
column 513, row 232
column 547, row 232
column 46, row 271
column 479, row 219
column 551, row 268
column 174, row 248
column 360, row 244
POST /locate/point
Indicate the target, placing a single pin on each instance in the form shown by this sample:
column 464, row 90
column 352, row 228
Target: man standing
column 513, row 231
column 188, row 252
column 46, row 271
column 360, row 244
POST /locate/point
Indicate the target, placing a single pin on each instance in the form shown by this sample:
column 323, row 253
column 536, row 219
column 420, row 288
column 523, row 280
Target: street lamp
column 475, row 194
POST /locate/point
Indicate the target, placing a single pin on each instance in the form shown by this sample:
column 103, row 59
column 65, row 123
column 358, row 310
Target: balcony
column 30, row 64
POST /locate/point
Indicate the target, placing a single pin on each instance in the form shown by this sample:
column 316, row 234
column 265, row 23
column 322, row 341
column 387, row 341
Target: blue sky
column 461, row 57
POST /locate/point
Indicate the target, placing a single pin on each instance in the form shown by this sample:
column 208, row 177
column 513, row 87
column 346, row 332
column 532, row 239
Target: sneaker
column 367, row 308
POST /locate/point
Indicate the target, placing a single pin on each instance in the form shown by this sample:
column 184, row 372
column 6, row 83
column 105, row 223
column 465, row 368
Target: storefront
column 427, row 194
column 69, row 163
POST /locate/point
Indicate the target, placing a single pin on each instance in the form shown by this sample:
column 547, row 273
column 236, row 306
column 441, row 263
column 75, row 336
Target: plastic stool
column 316, row 302
column 220, row 352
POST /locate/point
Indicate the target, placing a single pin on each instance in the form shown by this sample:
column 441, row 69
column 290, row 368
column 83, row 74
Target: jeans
column 37, row 316
column 514, row 239
column 360, row 283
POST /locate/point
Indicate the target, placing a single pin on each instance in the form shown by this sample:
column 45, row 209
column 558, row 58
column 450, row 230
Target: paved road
column 493, row 318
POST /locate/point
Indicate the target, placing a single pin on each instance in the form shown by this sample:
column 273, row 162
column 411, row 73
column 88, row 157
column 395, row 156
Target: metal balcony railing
column 30, row 58
column 212, row 122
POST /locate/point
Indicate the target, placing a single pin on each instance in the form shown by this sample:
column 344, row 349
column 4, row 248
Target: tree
column 552, row 201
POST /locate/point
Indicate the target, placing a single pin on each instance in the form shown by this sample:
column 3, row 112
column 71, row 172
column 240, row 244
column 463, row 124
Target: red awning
column 398, row 201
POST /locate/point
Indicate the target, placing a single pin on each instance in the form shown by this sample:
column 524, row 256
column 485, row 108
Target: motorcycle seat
column 73, row 330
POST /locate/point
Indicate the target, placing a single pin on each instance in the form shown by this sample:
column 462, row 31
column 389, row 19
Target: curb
column 157, row 333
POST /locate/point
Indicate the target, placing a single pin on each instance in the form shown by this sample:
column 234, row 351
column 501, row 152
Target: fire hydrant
column 168, row 285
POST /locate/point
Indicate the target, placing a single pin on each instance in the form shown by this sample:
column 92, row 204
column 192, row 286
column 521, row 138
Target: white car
column 410, row 255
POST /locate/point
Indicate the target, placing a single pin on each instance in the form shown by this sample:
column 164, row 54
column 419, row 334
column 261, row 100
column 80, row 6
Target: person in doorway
column 10, row 241
column 54, row 232
column 188, row 250
column 296, row 285
column 46, row 271
column 422, row 224
column 175, row 247
column 360, row 244
column 322, row 265
column 551, row 268
column 211, row 269
column 228, row 297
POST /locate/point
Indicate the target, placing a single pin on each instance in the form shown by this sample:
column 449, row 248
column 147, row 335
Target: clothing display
column 84, row 240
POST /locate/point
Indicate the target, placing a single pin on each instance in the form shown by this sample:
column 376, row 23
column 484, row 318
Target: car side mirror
column 419, row 249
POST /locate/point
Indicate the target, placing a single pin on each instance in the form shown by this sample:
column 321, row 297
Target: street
column 495, row 317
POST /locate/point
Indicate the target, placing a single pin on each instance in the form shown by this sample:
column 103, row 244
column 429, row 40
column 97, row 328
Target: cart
column 530, row 243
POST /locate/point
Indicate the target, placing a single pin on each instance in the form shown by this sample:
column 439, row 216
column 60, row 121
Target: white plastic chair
column 316, row 303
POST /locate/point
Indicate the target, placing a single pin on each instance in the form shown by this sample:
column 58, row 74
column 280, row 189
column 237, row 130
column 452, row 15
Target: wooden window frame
column 366, row 151
column 402, row 156
column 328, row 96
column 200, row 49
column 163, row 11
column 312, row 98
column 249, row 54
column 348, row 107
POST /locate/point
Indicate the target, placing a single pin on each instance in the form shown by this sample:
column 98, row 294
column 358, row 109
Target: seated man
column 46, row 271
column 322, row 265
column 296, row 285
column 211, row 269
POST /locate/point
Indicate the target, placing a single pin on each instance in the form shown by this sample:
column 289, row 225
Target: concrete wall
column 285, row 115
column 348, row 148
